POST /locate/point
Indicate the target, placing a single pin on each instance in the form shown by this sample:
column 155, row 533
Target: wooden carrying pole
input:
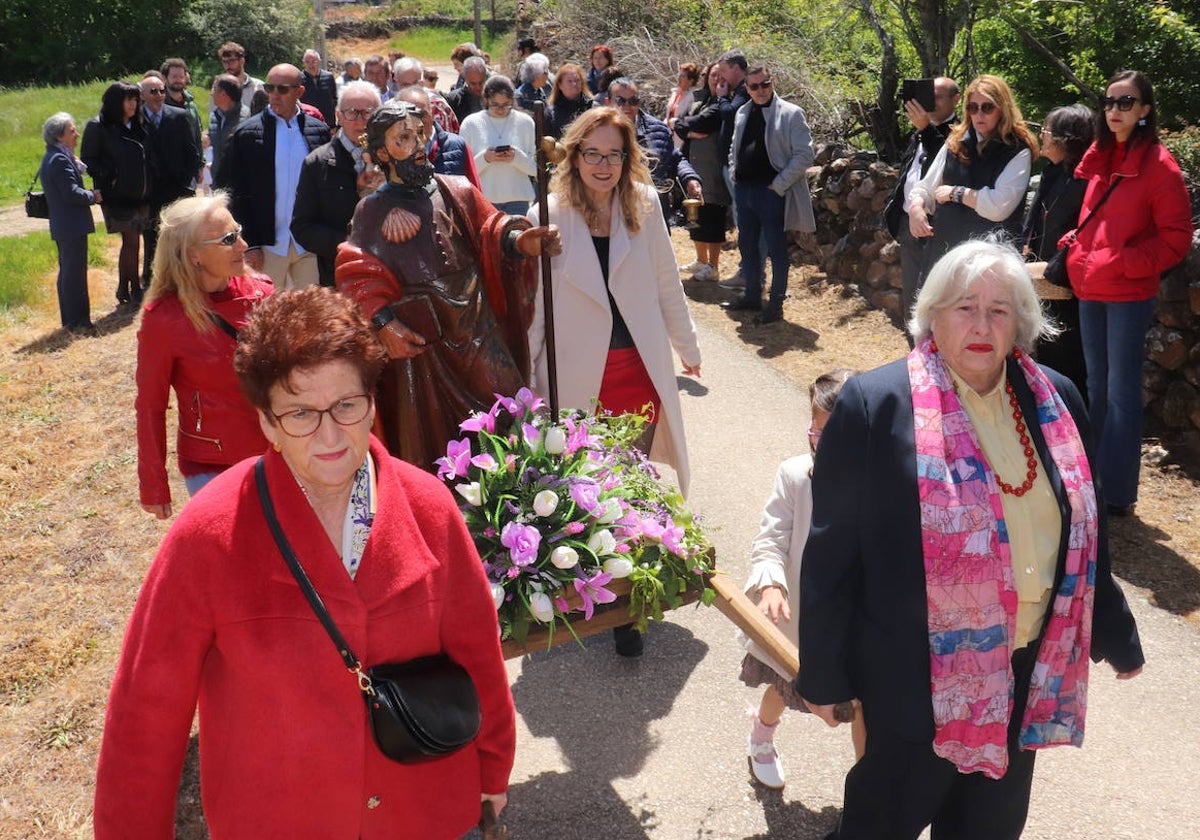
column 543, row 189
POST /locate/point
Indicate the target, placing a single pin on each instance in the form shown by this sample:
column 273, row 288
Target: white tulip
column 541, row 606
column 471, row 492
column 545, row 502
column 618, row 567
column 602, row 542
column 612, row 512
column 564, row 557
column 556, row 440
column 498, row 594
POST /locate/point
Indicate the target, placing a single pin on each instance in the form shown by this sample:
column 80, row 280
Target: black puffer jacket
column 117, row 161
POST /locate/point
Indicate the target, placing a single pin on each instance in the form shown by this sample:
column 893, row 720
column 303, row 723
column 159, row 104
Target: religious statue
column 445, row 280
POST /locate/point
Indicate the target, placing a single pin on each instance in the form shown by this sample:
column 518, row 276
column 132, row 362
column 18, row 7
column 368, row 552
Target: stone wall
column 849, row 192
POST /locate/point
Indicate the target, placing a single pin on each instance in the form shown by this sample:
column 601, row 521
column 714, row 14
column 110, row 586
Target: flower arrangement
column 569, row 507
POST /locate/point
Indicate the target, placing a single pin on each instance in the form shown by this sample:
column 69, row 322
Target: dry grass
column 75, row 544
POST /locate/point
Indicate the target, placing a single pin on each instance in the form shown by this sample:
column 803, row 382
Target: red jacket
column 1144, row 227
column 216, row 424
column 284, row 741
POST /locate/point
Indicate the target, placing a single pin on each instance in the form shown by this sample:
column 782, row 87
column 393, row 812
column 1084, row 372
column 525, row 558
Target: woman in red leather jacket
column 201, row 295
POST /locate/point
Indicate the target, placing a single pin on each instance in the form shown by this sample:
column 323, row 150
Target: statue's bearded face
column 403, row 152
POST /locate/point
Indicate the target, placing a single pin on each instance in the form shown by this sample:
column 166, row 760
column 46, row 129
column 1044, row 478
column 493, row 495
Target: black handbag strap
column 230, row 329
column 1092, row 212
column 310, row 593
column 33, row 183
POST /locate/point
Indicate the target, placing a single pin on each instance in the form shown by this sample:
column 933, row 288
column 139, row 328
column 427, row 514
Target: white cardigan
column 644, row 282
column 503, row 181
column 776, row 551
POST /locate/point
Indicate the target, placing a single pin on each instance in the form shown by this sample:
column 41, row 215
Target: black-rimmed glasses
column 1121, row 103
column 303, row 422
column 357, row 113
column 594, row 158
column 228, row 240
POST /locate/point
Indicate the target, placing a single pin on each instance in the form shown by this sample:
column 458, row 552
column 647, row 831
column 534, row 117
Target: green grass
column 28, row 264
column 434, row 43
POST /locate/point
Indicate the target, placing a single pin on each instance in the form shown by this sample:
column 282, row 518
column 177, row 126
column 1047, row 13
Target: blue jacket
column 667, row 163
column 453, row 153
column 70, row 203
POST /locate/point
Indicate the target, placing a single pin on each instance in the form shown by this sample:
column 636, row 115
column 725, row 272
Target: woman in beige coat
column 619, row 307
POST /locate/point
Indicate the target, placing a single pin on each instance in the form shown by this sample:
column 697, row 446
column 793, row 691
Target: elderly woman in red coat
column 285, row 745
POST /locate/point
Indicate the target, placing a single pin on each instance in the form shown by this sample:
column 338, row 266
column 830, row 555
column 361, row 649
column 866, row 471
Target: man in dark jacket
column 332, row 179
column 174, row 158
column 654, row 136
column 262, row 170
column 929, row 133
column 227, row 114
column 467, row 98
column 320, row 88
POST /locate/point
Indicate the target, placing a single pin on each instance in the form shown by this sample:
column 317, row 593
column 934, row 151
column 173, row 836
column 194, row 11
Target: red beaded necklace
column 1022, row 432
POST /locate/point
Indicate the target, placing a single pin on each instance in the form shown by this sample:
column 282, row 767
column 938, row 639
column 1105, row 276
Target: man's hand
column 834, row 714
column 369, row 180
column 401, row 342
column 533, row 241
column 253, row 258
column 917, row 115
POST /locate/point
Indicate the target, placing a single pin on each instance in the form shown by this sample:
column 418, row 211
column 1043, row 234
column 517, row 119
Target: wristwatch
column 382, row 318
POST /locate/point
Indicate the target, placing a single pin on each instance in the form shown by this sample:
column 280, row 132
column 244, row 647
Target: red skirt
column 626, row 387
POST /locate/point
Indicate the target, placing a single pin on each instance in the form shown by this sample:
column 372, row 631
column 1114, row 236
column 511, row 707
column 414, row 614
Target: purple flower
column 521, row 541
column 672, row 537
column 573, row 528
column 480, row 422
column 525, row 400
column 485, row 462
column 457, row 461
column 592, row 592
column 586, row 494
column 577, row 436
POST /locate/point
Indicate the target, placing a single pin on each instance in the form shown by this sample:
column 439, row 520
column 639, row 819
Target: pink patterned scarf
column 969, row 586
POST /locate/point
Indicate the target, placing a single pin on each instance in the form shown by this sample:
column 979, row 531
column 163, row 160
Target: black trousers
column 900, row 787
column 74, row 308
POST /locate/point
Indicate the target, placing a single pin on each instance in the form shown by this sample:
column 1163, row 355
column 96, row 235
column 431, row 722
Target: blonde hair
column 1010, row 129
column 568, row 186
column 180, row 230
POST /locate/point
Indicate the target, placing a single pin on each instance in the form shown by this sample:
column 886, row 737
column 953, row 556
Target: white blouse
column 503, row 181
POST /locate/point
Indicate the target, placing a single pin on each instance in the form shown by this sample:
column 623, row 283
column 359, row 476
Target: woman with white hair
column 956, row 579
column 536, row 85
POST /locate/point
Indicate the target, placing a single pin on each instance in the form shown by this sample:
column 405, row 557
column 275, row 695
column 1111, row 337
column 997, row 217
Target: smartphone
column 920, row 90
column 501, row 149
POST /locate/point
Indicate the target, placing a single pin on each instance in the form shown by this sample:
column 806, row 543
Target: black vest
column 954, row 224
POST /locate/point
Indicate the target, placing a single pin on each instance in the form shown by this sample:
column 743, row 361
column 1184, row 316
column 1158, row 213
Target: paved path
column 655, row 748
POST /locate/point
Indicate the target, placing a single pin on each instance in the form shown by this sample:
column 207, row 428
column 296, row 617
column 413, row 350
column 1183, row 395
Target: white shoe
column 692, row 267
column 765, row 765
column 737, row 281
column 705, row 273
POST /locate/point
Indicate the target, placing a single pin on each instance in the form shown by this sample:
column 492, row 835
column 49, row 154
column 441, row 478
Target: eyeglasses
column 765, row 84
column 305, row 421
column 985, row 108
column 161, row 91
column 593, row 158
column 621, row 101
column 232, row 56
column 1121, row 103
column 228, row 240
column 357, row 113
column 281, row 89
column 500, row 106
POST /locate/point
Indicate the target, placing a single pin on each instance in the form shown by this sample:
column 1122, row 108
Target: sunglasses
column 621, row 101
column 228, row 240
column 1121, row 103
column 985, row 108
column 765, row 84
column 282, row 89
column 357, row 113
column 161, row 91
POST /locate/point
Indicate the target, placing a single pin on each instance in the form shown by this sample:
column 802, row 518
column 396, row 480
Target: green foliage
column 271, row 32
column 24, row 262
column 490, row 9
column 434, row 43
column 1185, row 146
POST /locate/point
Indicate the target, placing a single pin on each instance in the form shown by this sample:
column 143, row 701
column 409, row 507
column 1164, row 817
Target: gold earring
column 276, row 446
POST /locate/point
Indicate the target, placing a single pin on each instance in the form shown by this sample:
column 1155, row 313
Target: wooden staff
column 544, row 159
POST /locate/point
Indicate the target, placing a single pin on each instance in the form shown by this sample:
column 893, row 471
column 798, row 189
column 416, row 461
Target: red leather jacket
column 216, row 424
column 1143, row 229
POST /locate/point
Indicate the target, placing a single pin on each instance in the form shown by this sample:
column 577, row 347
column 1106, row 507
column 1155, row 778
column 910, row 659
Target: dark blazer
column 221, row 126
column 248, row 172
column 119, row 161
column 717, row 121
column 863, row 615
column 70, row 202
column 464, row 103
column 174, row 156
column 325, row 202
column 321, row 93
column 929, row 140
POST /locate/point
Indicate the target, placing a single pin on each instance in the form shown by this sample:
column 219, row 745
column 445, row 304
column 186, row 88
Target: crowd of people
column 348, row 182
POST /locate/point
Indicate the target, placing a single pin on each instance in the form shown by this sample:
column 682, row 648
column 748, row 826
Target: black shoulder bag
column 420, row 710
column 36, row 205
column 1056, row 268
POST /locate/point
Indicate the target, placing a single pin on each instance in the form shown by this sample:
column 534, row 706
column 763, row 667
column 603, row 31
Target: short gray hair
column 307, row 53
column 535, row 64
column 403, row 65
column 359, row 86
column 952, row 277
column 474, row 63
column 55, row 126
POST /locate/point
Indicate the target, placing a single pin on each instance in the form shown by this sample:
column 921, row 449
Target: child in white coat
column 774, row 578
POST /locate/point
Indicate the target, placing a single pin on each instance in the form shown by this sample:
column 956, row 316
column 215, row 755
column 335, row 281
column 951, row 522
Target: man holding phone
column 929, row 132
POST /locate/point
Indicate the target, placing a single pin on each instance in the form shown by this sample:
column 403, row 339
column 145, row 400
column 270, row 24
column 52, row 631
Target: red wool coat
column 1143, row 229
column 284, row 741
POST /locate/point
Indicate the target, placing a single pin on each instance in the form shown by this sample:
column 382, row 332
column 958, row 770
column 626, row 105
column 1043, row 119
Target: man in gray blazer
column 228, row 111
column 771, row 151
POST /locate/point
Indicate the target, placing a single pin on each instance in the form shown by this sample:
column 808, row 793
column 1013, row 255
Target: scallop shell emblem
column 400, row 225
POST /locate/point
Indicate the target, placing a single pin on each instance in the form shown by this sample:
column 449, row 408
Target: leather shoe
column 742, row 304
column 770, row 314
